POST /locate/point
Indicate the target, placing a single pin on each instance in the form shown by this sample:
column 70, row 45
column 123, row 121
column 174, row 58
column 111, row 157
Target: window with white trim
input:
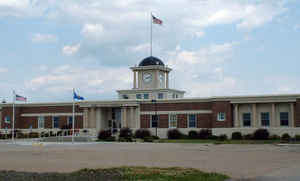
column 160, row 96
column 41, row 122
column 265, row 119
column 154, row 121
column 284, row 119
column 55, row 120
column 172, row 121
column 246, row 119
column 70, row 121
column 138, row 96
column 221, row 116
column 146, row 96
column 192, row 121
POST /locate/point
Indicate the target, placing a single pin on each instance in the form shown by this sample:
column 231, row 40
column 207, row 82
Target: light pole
column 156, row 118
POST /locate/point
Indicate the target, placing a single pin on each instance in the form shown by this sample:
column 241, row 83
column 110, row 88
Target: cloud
column 93, row 31
column 90, row 81
column 71, row 49
column 43, row 38
column 3, row 70
column 23, row 8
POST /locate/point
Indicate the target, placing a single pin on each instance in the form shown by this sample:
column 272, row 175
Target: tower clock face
column 147, row 77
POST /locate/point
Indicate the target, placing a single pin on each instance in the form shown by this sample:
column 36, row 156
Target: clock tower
column 150, row 81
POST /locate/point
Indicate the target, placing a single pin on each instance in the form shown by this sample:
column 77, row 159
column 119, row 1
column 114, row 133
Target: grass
column 224, row 142
column 117, row 174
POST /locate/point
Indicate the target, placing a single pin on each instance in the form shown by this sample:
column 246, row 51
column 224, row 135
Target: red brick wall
column 204, row 121
column 222, row 106
column 145, row 121
column 26, row 122
column 176, row 106
column 297, row 113
column 182, row 120
column 163, row 121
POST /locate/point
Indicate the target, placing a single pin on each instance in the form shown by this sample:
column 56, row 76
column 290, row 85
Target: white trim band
column 178, row 112
column 50, row 114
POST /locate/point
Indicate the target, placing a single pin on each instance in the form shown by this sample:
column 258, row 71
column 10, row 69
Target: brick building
column 151, row 103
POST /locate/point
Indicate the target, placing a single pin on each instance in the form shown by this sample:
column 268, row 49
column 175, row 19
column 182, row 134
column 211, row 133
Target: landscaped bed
column 117, row 174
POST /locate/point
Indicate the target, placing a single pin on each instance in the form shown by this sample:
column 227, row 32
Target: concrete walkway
column 262, row 162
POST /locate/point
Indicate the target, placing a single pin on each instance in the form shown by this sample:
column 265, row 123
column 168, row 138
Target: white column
column 132, row 118
column 167, row 81
column 292, row 119
column 123, row 117
column 254, row 116
column 137, row 120
column 134, row 79
column 99, row 119
column 92, row 122
column 236, row 116
column 273, row 119
column 85, row 117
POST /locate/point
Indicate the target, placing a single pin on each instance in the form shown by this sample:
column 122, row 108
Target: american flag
column 156, row 20
column 20, row 98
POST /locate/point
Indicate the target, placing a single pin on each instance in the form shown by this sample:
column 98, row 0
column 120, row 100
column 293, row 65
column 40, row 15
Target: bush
column 33, row 135
column 286, row 137
column 126, row 133
column 184, row 136
column 222, row 137
column 148, row 139
column 236, row 136
column 248, row 137
column 155, row 137
column 204, row 133
column 213, row 137
column 111, row 138
column 21, row 135
column 193, row 134
column 261, row 134
column 66, row 126
column 104, row 134
column 297, row 137
column 274, row 137
column 174, row 134
column 60, row 133
column 142, row 133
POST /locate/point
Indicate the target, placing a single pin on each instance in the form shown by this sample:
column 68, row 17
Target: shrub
column 155, row 137
column 286, row 137
column 126, row 133
column 21, row 135
column 236, row 136
column 274, row 137
column 148, row 139
column 213, row 137
column 174, row 134
column 205, row 133
column 104, row 134
column 111, row 138
column 261, row 134
column 184, row 136
column 297, row 137
column 248, row 137
column 142, row 133
column 66, row 126
column 222, row 137
column 193, row 134
column 33, row 135
column 60, row 133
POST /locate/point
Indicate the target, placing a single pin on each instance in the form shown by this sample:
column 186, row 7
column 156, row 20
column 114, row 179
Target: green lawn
column 118, row 174
column 224, row 142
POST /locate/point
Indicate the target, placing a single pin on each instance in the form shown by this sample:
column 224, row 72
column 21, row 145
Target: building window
column 138, row 96
column 70, row 121
column 192, row 122
column 221, row 116
column 125, row 96
column 7, row 119
column 41, row 122
column 160, row 96
column 265, row 119
column 154, row 121
column 172, row 121
column 247, row 119
column 284, row 119
column 55, row 122
column 146, row 96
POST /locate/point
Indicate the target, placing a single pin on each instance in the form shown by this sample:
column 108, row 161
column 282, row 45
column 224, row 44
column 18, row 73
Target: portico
column 101, row 115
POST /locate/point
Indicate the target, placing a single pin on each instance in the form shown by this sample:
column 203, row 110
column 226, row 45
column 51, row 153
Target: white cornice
column 149, row 90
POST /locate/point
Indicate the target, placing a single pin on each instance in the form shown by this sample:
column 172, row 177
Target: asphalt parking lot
column 257, row 162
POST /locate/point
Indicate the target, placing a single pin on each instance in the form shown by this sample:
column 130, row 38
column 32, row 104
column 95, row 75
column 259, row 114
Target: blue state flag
column 75, row 96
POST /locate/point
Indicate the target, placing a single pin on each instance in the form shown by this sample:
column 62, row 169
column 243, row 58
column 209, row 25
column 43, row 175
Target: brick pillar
column 85, row 117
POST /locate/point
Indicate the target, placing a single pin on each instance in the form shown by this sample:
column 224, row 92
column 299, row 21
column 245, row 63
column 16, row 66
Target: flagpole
column 73, row 118
column 151, row 33
column 13, row 120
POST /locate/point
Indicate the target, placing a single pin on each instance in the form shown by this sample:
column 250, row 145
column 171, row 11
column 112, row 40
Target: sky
column 215, row 47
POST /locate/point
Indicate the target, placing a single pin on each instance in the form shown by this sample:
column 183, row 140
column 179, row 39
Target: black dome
column 151, row 61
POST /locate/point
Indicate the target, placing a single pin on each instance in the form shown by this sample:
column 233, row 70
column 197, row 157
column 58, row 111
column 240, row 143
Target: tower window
column 146, row 96
column 160, row 96
column 138, row 96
